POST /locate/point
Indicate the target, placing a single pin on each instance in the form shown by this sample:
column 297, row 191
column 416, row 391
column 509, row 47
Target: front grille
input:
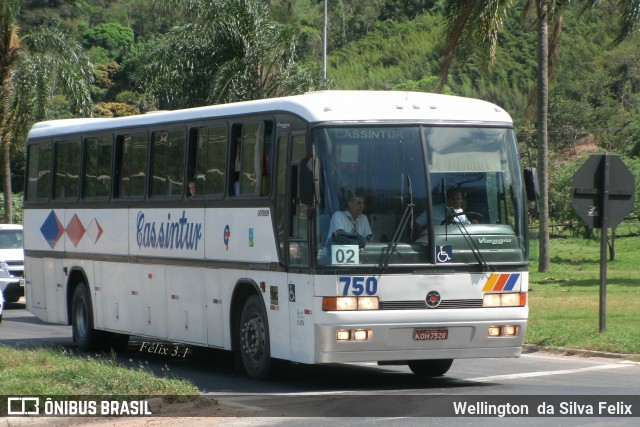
column 17, row 273
column 419, row 305
column 14, row 263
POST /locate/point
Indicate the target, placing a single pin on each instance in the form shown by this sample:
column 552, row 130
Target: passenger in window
column 351, row 223
column 191, row 189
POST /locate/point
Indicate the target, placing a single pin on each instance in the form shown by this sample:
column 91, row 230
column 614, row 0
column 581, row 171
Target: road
column 566, row 385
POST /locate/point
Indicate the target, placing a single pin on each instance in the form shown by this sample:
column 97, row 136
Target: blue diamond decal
column 52, row 229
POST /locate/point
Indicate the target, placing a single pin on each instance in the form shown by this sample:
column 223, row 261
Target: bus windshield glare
column 419, row 195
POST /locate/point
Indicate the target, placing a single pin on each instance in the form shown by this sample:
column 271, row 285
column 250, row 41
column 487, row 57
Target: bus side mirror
column 307, row 181
column 531, row 183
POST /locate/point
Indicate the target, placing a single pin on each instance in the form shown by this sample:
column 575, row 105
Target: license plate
column 430, row 334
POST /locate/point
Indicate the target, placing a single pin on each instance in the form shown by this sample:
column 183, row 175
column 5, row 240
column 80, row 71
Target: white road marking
column 546, row 373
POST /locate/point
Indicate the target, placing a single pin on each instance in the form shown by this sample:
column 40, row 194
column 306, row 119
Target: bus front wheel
column 255, row 351
column 430, row 368
column 85, row 337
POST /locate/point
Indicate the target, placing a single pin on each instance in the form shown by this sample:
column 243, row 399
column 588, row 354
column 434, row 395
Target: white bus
column 119, row 243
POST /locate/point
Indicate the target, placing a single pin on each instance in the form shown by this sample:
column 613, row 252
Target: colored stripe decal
column 492, row 281
column 501, row 282
column 511, row 282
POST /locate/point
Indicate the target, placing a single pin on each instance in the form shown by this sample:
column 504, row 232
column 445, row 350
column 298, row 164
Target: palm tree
column 32, row 68
column 476, row 23
column 229, row 51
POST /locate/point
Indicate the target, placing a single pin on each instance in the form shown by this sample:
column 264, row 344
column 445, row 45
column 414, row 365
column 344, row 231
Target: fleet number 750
column 358, row 285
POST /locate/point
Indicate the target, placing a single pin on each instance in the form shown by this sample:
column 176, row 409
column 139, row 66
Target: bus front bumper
column 388, row 343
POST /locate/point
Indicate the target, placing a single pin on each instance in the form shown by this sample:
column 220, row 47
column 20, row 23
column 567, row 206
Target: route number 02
column 345, row 254
column 358, row 285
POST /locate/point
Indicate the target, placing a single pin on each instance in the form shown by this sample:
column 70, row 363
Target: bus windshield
column 403, row 195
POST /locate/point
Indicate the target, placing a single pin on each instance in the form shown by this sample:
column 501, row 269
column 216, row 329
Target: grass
column 57, row 372
column 564, row 303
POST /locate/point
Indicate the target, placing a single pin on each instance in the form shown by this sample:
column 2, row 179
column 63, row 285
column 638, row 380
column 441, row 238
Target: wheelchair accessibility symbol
column 444, row 254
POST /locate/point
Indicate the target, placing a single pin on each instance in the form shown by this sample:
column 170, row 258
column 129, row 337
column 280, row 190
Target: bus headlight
column 509, row 299
column 350, row 303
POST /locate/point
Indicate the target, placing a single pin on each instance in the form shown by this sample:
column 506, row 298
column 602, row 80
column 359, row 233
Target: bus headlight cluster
column 503, row 331
column 509, row 299
column 354, row 334
column 350, row 303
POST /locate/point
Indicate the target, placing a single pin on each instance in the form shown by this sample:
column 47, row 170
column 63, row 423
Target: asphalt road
column 392, row 395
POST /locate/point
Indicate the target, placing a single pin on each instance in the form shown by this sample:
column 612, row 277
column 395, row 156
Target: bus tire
column 255, row 351
column 430, row 368
column 117, row 342
column 85, row 336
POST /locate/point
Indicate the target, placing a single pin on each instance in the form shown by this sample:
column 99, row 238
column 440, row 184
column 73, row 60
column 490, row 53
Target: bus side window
column 251, row 158
column 299, row 234
column 281, row 190
column 67, row 169
column 131, row 164
column 167, row 165
column 267, row 159
column 97, row 167
column 39, row 178
column 207, row 159
column 235, row 165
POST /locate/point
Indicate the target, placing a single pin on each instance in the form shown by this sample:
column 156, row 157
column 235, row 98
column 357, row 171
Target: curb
column 534, row 348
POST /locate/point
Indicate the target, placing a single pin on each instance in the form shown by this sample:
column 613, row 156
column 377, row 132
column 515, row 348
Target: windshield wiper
column 407, row 217
column 451, row 218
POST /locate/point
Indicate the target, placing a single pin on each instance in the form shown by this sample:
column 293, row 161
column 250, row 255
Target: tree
column 32, row 68
column 229, row 51
column 477, row 23
column 111, row 36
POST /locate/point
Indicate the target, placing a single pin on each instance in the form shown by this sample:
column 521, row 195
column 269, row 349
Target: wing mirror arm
column 309, row 180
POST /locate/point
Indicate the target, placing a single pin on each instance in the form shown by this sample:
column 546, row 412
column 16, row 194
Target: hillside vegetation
column 379, row 44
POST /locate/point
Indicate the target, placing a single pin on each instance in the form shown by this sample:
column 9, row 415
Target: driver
column 455, row 200
column 352, row 220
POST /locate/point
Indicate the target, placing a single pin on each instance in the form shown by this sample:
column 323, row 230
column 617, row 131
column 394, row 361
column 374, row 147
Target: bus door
column 293, row 230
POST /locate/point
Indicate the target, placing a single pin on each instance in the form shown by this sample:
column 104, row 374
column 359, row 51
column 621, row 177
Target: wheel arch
column 243, row 289
column 76, row 276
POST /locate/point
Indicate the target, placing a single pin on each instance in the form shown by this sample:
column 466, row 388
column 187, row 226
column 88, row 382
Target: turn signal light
column 350, row 303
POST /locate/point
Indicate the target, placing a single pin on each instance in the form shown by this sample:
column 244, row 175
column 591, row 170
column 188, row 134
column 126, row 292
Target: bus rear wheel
column 84, row 335
column 430, row 368
column 116, row 341
column 255, row 351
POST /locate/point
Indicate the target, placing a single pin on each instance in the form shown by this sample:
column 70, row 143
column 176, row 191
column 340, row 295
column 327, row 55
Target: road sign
column 603, row 194
column 603, row 191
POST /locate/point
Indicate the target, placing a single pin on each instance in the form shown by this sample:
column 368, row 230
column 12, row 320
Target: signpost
column 603, row 194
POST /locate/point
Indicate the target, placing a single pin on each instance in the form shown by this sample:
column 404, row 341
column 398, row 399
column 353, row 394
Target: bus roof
column 314, row 107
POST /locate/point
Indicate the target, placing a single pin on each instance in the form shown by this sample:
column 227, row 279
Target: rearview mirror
column 531, row 183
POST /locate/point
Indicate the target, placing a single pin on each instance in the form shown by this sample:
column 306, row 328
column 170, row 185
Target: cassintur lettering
column 180, row 234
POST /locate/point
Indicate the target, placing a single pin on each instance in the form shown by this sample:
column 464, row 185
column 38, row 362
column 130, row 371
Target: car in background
column 11, row 262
